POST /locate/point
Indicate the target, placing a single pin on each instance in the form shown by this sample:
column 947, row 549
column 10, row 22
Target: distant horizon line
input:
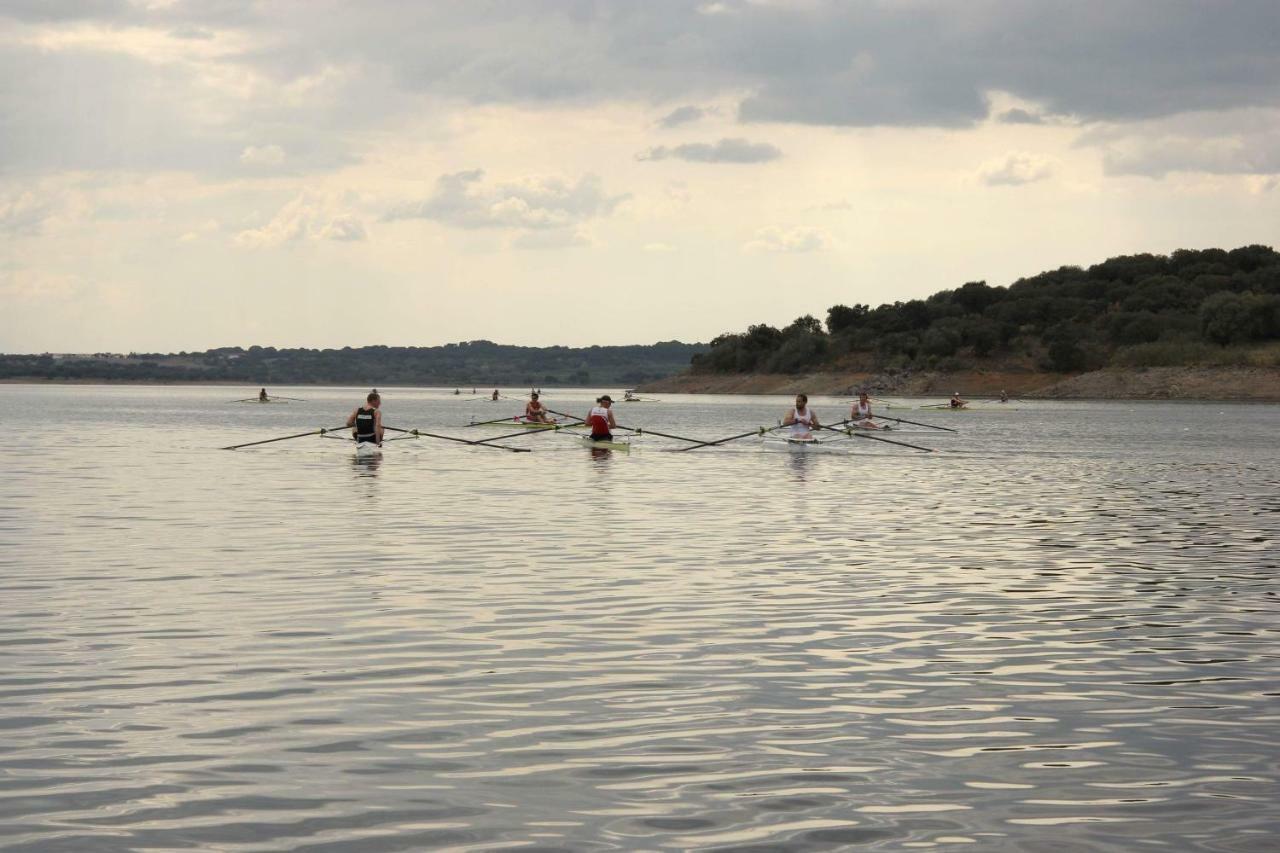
column 136, row 353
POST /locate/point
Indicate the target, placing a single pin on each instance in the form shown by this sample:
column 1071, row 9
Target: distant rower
column 861, row 414
column 262, row 396
column 801, row 419
column 1004, row 396
column 956, row 402
column 601, row 420
column 367, row 420
column 535, row 412
column 495, row 395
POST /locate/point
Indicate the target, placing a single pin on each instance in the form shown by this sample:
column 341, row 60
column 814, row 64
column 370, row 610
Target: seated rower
column 495, row 395
column 861, row 416
column 535, row 412
column 801, row 419
column 1004, row 396
column 367, row 420
column 601, row 419
column 262, row 395
column 956, row 402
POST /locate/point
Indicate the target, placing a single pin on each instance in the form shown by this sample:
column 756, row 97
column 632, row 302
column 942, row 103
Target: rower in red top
column 535, row 412
column 601, row 419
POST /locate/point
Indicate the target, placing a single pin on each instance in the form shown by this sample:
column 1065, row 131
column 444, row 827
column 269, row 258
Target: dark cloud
column 681, row 115
column 924, row 63
column 724, row 151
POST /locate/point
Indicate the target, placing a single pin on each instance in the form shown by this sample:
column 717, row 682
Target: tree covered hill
column 478, row 363
column 1191, row 307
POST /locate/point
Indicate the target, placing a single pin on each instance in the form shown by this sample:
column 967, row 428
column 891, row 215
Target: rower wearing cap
column 367, row 420
column 861, row 415
column 601, row 419
column 535, row 412
column 801, row 419
column 956, row 402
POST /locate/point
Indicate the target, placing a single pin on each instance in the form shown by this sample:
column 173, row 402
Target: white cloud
column 309, row 216
column 262, row 155
column 801, row 238
column 38, row 285
column 558, row 238
column 1014, row 169
column 464, row 200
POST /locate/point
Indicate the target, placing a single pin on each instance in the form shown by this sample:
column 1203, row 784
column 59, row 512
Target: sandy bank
column 1258, row 384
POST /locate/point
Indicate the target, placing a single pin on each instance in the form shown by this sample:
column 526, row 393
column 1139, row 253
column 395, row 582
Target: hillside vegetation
column 1209, row 307
column 481, row 363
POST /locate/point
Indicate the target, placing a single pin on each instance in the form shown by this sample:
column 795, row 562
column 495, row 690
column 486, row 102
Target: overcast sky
column 181, row 175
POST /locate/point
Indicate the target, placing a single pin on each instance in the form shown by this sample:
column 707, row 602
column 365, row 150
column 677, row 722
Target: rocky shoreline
column 1251, row 384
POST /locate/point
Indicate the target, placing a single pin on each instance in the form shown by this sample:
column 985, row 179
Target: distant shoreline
column 1205, row 384
column 1209, row 384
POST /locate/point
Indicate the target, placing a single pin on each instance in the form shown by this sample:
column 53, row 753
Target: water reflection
column 656, row 651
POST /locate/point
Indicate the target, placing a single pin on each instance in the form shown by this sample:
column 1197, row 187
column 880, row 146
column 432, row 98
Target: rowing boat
column 365, row 449
column 999, row 407
column 795, row 444
column 615, row 444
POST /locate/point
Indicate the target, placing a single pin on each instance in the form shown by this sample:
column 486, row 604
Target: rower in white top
column 802, row 419
column 861, row 415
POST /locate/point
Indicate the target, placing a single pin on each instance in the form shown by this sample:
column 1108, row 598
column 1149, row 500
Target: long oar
column 284, row 438
column 495, row 420
column 644, row 431
column 756, row 431
column 417, row 432
column 566, row 415
column 521, row 434
column 916, row 423
column 853, row 434
column 294, row 399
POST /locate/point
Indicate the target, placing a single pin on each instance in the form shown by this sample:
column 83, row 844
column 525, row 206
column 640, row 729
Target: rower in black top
column 367, row 420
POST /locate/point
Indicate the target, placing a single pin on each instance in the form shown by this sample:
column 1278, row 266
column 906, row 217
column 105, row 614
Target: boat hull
column 624, row 446
column 365, row 449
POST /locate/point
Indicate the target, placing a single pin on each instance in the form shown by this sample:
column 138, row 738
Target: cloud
column 309, row 216
column 113, row 85
column 558, row 238
column 38, row 285
column 464, row 200
column 1017, row 115
column 724, row 151
column 1014, row 169
column 24, row 213
column 681, row 115
column 262, row 155
column 1241, row 142
column 801, row 238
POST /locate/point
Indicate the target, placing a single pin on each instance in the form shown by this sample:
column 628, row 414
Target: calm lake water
column 1057, row 633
